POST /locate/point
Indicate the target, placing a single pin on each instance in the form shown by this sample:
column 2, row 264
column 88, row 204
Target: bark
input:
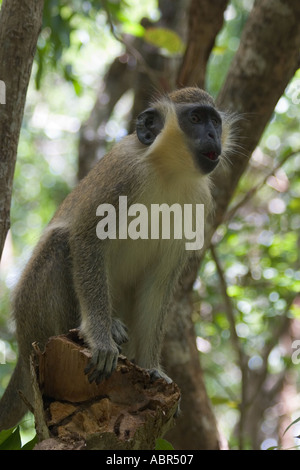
column 205, row 21
column 196, row 427
column 126, row 411
column 20, row 24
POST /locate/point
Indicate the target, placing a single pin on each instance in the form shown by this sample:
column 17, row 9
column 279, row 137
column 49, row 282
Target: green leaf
column 219, row 50
column 10, row 439
column 30, row 444
column 234, row 291
column 295, row 310
column 135, row 29
column 219, row 400
column 164, row 39
column 294, row 422
column 162, row 444
column 4, row 435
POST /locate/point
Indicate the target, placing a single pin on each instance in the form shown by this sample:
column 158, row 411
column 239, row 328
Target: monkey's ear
column 148, row 125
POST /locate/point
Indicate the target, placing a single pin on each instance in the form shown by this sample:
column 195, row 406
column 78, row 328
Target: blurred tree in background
column 97, row 64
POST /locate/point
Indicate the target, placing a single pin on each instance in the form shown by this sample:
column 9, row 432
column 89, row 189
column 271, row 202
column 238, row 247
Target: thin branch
column 132, row 50
column 256, row 188
column 280, row 330
column 229, row 309
column 26, row 401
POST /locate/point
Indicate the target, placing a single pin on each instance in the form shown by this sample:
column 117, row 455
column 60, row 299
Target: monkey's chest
column 132, row 259
column 157, row 234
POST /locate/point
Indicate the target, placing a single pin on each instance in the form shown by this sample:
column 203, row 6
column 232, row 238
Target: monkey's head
column 185, row 127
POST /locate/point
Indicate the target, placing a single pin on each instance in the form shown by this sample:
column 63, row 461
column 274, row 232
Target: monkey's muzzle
column 207, row 159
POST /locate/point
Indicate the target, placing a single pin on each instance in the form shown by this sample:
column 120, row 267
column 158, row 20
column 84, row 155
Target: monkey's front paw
column 119, row 332
column 102, row 364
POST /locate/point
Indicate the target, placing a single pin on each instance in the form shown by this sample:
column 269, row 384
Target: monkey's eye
column 195, row 118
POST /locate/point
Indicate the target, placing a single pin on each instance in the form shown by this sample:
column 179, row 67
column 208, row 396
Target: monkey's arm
column 92, row 290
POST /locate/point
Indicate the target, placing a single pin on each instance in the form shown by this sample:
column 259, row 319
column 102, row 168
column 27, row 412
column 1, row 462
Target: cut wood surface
column 126, row 411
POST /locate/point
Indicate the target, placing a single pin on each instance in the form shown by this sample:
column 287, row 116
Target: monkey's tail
column 12, row 407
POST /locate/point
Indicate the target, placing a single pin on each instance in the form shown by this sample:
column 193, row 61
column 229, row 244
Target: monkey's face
column 200, row 124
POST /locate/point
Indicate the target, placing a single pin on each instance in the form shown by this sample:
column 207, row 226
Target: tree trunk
column 128, row 411
column 205, row 21
column 265, row 62
column 196, row 427
column 20, row 24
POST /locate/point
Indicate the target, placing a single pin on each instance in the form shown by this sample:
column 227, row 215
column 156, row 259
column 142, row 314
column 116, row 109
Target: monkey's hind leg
column 148, row 327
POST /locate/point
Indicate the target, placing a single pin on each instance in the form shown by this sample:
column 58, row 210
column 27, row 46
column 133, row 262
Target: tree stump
column 127, row 411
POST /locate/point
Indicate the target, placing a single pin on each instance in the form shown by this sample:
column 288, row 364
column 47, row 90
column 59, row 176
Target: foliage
column 70, row 24
column 62, row 24
column 165, row 39
column 11, row 440
column 162, row 444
